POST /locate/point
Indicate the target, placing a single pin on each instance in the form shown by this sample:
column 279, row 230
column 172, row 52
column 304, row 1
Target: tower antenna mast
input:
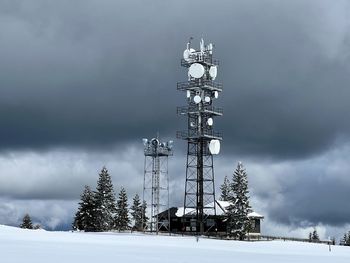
column 202, row 141
column 156, row 182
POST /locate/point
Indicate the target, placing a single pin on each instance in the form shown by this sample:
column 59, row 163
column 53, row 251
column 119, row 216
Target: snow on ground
column 19, row 245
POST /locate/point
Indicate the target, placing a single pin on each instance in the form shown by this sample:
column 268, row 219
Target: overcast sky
column 81, row 82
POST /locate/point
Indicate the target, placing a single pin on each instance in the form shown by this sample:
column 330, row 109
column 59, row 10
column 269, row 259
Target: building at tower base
column 216, row 224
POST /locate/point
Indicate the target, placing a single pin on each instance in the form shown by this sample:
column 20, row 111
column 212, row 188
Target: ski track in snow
column 39, row 246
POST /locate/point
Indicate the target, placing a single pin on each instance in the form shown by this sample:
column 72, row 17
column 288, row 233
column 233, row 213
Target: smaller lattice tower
column 156, row 183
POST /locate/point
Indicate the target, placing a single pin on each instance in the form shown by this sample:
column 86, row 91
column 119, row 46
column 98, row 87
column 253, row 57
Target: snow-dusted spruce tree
column 26, row 222
column 105, row 206
column 84, row 219
column 122, row 220
column 346, row 239
column 136, row 213
column 310, row 237
column 237, row 213
column 225, row 189
column 315, row 237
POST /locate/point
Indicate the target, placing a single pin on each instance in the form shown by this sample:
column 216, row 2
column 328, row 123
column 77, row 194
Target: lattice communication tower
column 156, row 182
column 202, row 141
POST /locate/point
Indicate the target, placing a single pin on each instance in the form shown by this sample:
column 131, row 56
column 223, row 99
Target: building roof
column 220, row 207
column 255, row 215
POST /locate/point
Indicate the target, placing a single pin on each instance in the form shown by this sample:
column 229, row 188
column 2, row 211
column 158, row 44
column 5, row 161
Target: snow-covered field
column 18, row 245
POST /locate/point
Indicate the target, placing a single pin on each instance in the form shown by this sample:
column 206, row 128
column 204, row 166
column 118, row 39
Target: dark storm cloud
column 53, row 214
column 62, row 174
column 93, row 73
column 80, row 77
column 303, row 193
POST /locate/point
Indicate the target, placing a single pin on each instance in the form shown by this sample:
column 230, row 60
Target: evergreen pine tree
column 238, row 222
column 344, row 240
column 225, row 190
column 122, row 220
column 136, row 213
column 310, row 237
column 315, row 237
column 105, row 206
column 26, row 222
column 84, row 217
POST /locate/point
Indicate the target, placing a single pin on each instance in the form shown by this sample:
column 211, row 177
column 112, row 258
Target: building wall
column 214, row 224
column 255, row 225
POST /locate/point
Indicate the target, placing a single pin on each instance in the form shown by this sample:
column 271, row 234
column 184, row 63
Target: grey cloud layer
column 62, row 174
column 53, row 214
column 98, row 73
column 304, row 193
column 300, row 193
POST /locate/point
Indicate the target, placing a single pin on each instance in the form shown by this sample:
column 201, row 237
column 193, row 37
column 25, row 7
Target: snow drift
column 39, row 246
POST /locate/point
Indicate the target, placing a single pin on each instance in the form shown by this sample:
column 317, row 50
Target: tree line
column 99, row 210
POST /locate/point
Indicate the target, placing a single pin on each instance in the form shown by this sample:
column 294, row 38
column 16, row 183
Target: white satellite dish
column 202, row 45
column 207, row 99
column 145, row 141
column 187, row 54
column 197, row 99
column 216, row 94
column 155, row 142
column 196, row 70
column 170, row 144
column 188, row 94
column 213, row 71
column 210, row 121
column 210, row 47
column 214, row 146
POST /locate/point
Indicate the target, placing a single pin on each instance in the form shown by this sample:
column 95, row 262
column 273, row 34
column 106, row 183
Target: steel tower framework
column 156, row 182
column 199, row 200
